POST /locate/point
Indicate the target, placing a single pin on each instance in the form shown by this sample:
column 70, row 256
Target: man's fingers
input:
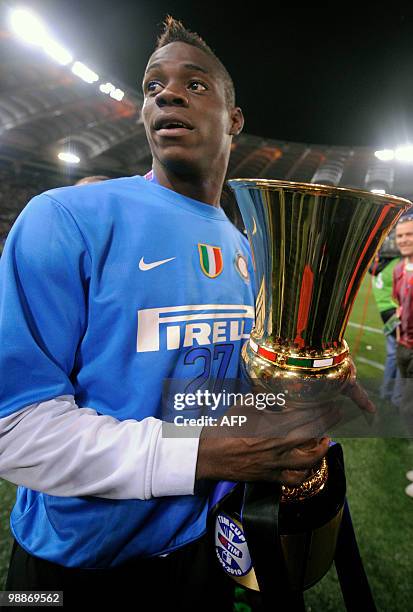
column 293, row 478
column 300, row 463
column 359, row 396
column 314, row 429
column 303, row 459
column 299, row 420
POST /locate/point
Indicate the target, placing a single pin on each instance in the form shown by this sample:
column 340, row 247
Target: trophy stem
column 313, row 485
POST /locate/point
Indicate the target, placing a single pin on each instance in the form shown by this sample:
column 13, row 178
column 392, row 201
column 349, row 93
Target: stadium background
column 46, row 109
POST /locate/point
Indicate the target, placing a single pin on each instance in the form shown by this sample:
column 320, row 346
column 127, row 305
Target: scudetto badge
column 211, row 261
column 231, row 547
column 241, row 266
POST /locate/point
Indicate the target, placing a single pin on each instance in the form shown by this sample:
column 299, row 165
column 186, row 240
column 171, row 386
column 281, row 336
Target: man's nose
column 171, row 97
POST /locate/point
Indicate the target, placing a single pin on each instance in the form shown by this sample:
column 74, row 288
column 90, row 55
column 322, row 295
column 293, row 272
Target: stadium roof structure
column 46, row 109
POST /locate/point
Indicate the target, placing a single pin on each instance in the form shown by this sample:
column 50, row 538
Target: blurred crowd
column 16, row 189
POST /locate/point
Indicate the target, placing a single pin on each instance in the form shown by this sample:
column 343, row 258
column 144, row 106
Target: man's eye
column 197, row 86
column 152, row 85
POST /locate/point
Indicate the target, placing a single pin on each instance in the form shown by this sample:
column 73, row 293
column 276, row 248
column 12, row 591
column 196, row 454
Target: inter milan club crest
column 211, row 260
column 231, row 547
column 241, row 266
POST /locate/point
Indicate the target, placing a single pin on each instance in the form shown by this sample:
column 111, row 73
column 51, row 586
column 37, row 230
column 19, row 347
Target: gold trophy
column 311, row 247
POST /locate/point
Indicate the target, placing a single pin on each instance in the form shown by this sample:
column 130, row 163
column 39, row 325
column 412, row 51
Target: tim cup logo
column 231, row 547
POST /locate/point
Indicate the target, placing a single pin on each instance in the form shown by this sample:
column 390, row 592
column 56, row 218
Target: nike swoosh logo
column 148, row 266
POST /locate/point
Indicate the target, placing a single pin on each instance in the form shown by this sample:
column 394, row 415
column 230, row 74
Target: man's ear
column 237, row 121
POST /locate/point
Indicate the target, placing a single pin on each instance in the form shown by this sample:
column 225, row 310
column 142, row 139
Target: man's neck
column 207, row 190
column 408, row 259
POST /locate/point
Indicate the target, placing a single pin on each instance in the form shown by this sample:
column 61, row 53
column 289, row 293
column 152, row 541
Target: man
column 92, row 179
column 382, row 283
column 403, row 294
column 106, row 291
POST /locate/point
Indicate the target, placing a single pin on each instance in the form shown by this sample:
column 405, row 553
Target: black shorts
column 187, row 579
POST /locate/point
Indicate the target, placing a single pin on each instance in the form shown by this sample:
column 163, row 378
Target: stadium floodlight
column 378, row 191
column 57, row 52
column 117, row 94
column 84, row 73
column 107, row 88
column 404, row 154
column 69, row 158
column 385, row 154
column 27, row 26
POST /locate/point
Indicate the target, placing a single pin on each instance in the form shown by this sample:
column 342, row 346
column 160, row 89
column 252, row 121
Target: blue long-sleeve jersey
column 106, row 290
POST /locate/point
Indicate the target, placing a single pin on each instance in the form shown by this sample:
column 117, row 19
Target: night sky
column 329, row 75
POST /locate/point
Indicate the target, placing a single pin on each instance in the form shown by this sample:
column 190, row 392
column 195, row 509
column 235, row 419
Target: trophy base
column 308, row 532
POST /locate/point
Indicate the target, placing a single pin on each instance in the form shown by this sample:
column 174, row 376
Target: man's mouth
column 168, row 126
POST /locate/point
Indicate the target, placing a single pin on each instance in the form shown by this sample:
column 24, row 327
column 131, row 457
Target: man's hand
column 355, row 391
column 274, row 446
column 270, row 450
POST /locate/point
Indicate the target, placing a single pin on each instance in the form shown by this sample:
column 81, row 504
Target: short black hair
column 96, row 178
column 175, row 31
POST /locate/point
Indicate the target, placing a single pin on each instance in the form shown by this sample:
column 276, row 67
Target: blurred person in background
column 381, row 271
column 86, row 180
column 403, row 294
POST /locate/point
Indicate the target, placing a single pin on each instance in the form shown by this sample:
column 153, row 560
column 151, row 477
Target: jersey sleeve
column 48, row 442
column 62, row 449
column 44, row 277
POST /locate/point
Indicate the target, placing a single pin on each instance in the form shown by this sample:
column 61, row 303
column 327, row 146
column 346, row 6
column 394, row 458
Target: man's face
column 404, row 238
column 183, row 85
